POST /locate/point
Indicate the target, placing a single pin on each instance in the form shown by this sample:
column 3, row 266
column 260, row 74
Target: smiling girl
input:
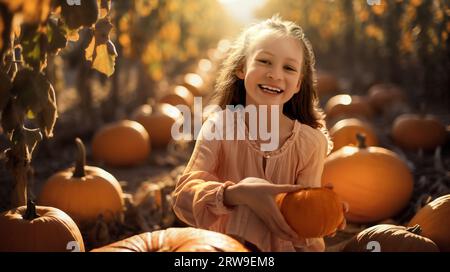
column 229, row 186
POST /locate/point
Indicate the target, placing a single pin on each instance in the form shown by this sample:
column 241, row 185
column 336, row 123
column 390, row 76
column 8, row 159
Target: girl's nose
column 274, row 74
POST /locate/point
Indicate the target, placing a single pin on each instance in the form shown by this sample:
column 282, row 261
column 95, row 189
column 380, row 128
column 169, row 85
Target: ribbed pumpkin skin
column 123, row 143
column 412, row 131
column 344, row 106
column 391, row 239
column 157, row 123
column 374, row 181
column 434, row 218
column 176, row 240
column 343, row 133
column 84, row 198
column 48, row 233
column 313, row 212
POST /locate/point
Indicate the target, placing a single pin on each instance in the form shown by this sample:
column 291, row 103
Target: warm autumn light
column 242, row 10
column 171, row 111
column 193, row 79
column 181, row 91
column 204, row 65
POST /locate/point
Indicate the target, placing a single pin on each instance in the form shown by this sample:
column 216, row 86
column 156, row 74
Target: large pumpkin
column 84, row 192
column 38, row 228
column 415, row 131
column 123, row 143
column 384, row 96
column 180, row 95
column 158, row 122
column 345, row 106
column 343, row 133
column 391, row 238
column 434, row 218
column 374, row 181
column 176, row 240
column 312, row 212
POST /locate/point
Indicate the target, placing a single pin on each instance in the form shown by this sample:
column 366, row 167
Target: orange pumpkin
column 180, row 95
column 158, row 122
column 194, row 83
column 327, row 84
column 176, row 240
column 38, row 228
column 384, row 96
column 312, row 212
column 434, row 218
column 123, row 143
column 343, row 133
column 374, row 181
column 390, row 238
column 84, row 192
column 345, row 106
column 416, row 131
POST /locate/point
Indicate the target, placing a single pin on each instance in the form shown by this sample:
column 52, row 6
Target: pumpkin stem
column 30, row 213
column 416, row 229
column 81, row 160
column 361, row 140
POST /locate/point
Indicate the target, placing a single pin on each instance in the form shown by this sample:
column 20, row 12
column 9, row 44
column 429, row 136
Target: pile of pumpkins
column 376, row 182
column 129, row 142
column 74, row 198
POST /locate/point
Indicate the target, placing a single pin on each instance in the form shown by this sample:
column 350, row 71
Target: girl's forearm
column 231, row 196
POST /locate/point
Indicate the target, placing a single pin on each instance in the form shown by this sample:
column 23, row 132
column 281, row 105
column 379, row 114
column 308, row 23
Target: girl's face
column 272, row 71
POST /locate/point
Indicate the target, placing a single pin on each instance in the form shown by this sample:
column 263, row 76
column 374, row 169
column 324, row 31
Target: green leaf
column 33, row 47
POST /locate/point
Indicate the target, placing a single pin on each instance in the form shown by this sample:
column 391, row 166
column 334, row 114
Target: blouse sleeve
column 311, row 173
column 198, row 195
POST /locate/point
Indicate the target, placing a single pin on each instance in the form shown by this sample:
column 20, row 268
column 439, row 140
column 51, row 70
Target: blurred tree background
column 402, row 41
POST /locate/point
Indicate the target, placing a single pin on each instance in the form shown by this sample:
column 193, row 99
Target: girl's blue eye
column 263, row 61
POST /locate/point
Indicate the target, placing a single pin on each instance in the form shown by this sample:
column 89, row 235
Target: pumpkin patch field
column 93, row 95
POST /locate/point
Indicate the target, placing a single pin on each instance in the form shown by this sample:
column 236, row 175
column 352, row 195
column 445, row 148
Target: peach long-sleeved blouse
column 198, row 196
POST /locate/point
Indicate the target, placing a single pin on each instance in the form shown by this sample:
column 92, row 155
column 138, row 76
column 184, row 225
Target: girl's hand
column 259, row 195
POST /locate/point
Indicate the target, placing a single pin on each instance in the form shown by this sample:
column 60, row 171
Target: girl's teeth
column 270, row 89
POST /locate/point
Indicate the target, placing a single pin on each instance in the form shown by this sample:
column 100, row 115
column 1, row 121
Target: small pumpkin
column 180, row 95
column 345, row 106
column 434, row 218
column 374, row 181
column 39, row 229
column 84, row 192
column 384, row 96
column 122, row 143
column 418, row 131
column 194, row 83
column 390, row 238
column 343, row 133
column 312, row 212
column 158, row 122
column 176, row 240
